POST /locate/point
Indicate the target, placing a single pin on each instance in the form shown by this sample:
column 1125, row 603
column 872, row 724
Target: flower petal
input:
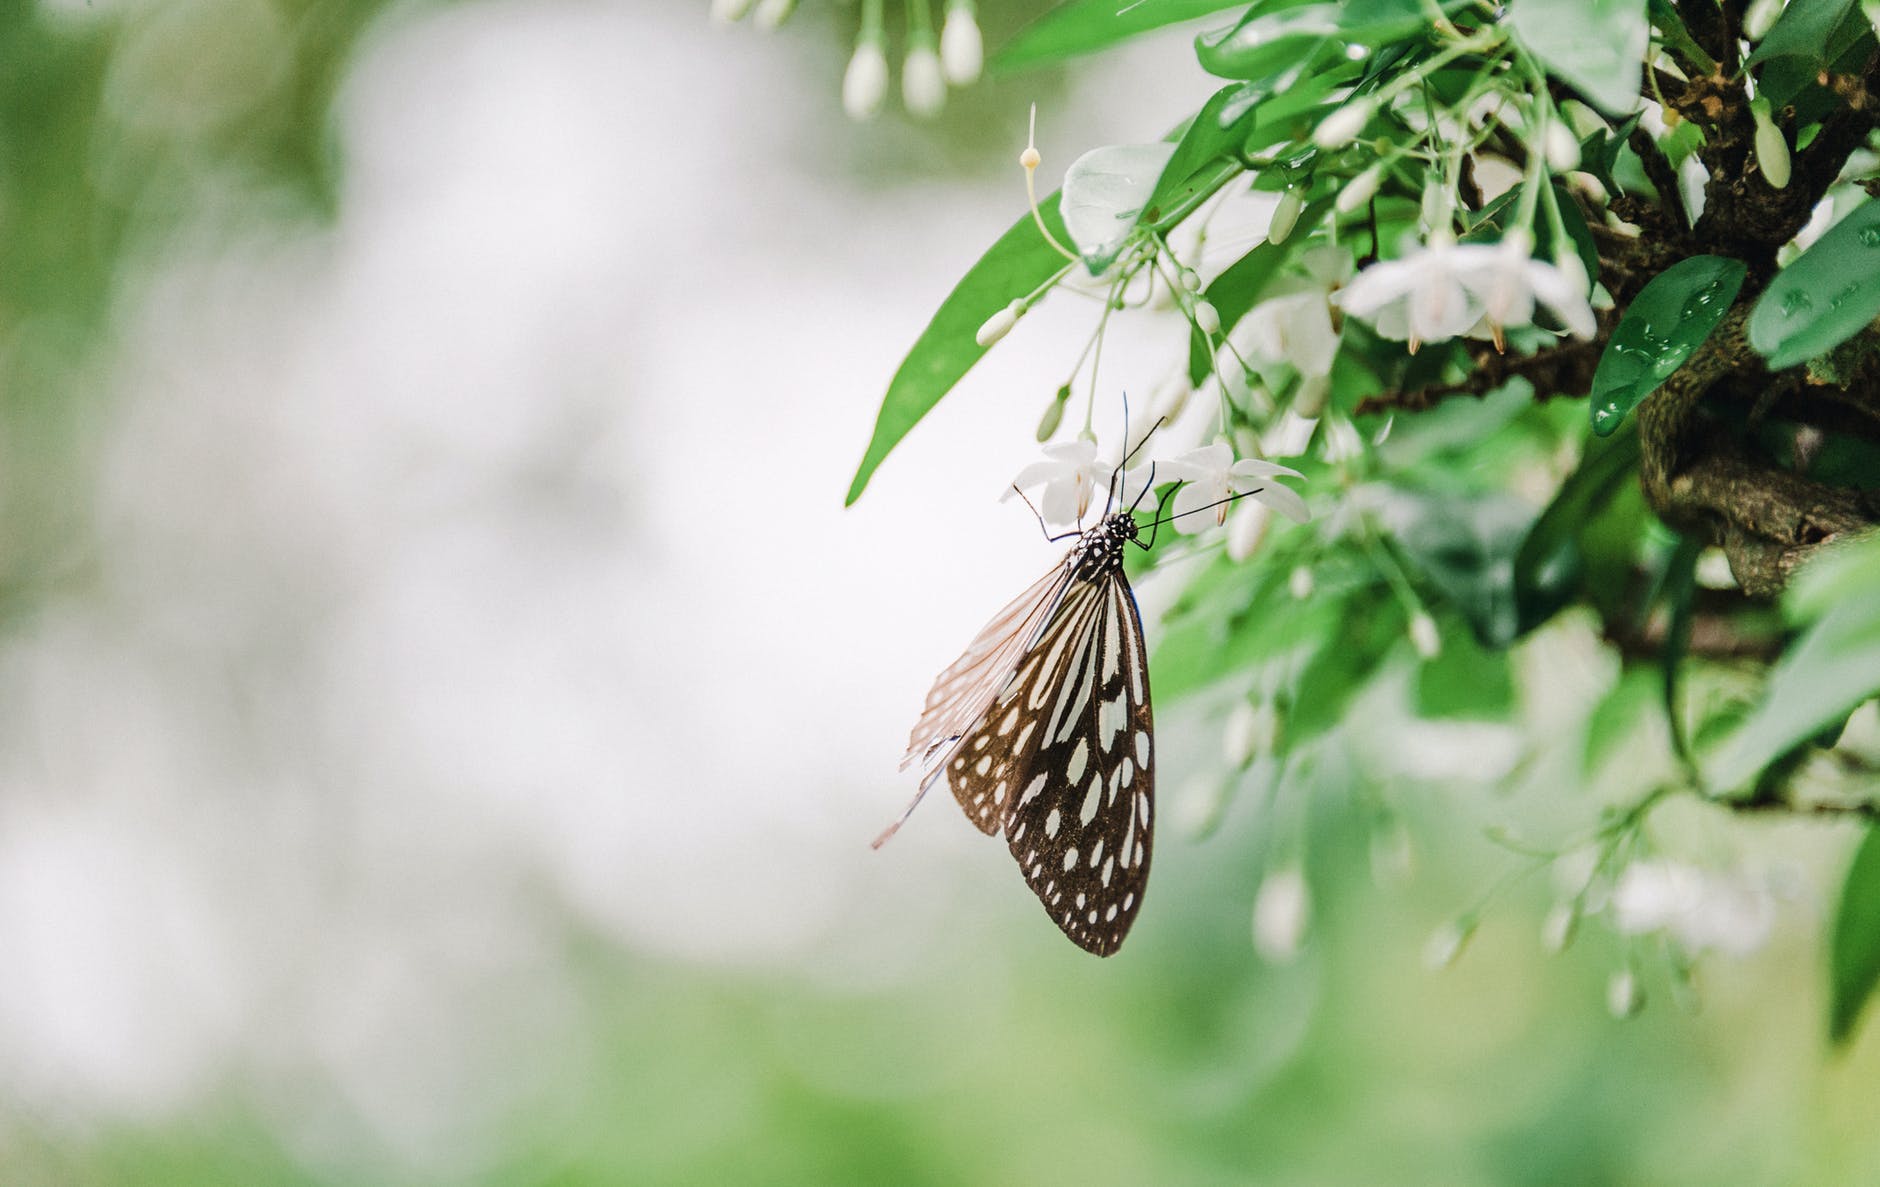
column 1256, row 468
column 1284, row 500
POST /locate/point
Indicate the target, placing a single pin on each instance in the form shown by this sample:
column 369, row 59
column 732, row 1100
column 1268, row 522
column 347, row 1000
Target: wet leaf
column 1663, row 326
column 1085, row 26
column 1829, row 294
column 1105, row 192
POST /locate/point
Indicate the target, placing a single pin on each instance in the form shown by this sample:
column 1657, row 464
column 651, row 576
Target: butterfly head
column 1100, row 550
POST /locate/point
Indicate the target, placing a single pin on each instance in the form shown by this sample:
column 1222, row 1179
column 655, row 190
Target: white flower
column 1624, row 996
column 1294, row 323
column 1074, row 478
column 923, row 86
column 726, row 12
column 1246, row 528
column 962, row 53
column 1210, row 476
column 1281, row 910
column 1446, row 943
column 865, row 83
column 1508, row 280
column 1729, row 911
column 1420, row 297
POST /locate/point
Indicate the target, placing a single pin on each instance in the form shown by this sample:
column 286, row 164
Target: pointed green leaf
column 1830, row 293
column 1662, row 327
column 1018, row 263
column 1854, row 950
column 1085, row 26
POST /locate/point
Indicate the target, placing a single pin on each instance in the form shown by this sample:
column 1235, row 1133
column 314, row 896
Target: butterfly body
column 1043, row 730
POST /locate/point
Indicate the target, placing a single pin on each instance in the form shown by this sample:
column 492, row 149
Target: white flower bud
column 1424, row 636
column 1285, row 216
column 1240, row 734
column 923, row 86
column 962, row 52
column 1772, row 148
column 1360, row 189
column 1246, row 528
column 865, row 83
column 1281, row 911
column 1558, row 928
column 1200, row 803
column 729, row 12
column 1310, row 396
column 1446, row 943
column 772, row 13
column 1207, row 317
column 1190, row 280
column 1760, row 18
column 1624, row 996
column 1029, row 158
column 1000, row 324
column 1342, row 126
column 1562, row 150
column 1300, row 582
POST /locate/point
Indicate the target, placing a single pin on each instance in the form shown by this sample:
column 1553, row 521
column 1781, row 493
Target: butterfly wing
column 1064, row 758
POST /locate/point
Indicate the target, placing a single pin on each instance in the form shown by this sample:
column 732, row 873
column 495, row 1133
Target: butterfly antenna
column 1211, row 506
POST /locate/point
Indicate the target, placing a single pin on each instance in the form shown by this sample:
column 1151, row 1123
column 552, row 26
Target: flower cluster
column 1075, row 481
column 930, row 65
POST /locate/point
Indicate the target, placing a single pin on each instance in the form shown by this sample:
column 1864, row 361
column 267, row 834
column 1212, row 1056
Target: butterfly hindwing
column 1081, row 821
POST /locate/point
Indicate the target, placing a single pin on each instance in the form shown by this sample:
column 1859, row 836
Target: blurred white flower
column 1507, row 280
column 1425, row 636
column 1281, row 911
column 1420, row 297
column 865, row 84
column 1557, row 929
column 1729, row 911
column 962, row 52
column 1074, row 477
column 1446, row 943
column 726, row 12
column 1294, row 324
column 772, row 13
column 1246, row 528
column 923, row 85
column 1210, row 476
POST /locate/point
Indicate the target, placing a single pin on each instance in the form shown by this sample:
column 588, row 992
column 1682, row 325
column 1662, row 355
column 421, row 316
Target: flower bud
column 1190, row 280
column 772, row 13
column 1624, row 996
column 1342, row 126
column 1053, row 414
column 865, row 83
column 1208, row 318
column 1240, row 734
column 1558, row 928
column 1446, row 943
column 962, row 52
column 1360, row 190
column 1310, row 396
column 1029, row 158
column 1772, row 148
column 923, row 86
column 1561, row 149
column 1300, row 582
column 1424, row 636
column 1285, row 216
column 1760, row 18
column 729, row 12
column 1000, row 324
column 1572, row 267
column 1281, row 911
column 1245, row 530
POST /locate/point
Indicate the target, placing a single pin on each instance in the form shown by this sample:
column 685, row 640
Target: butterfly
column 1043, row 730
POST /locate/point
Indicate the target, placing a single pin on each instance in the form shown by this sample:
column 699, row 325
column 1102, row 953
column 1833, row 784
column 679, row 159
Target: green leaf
column 1599, row 152
column 1104, row 194
column 1825, row 297
column 1825, row 674
column 1275, row 50
column 1854, row 949
column 1678, row 588
column 1669, row 319
column 1596, row 47
column 1085, row 26
column 1463, row 547
column 1802, row 31
column 1212, row 136
column 1549, row 564
column 1018, row 263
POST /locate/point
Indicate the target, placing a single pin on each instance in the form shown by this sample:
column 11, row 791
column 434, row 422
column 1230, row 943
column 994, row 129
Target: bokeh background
column 444, row 706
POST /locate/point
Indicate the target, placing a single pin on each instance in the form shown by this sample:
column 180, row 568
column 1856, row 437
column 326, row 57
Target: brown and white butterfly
column 1043, row 730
